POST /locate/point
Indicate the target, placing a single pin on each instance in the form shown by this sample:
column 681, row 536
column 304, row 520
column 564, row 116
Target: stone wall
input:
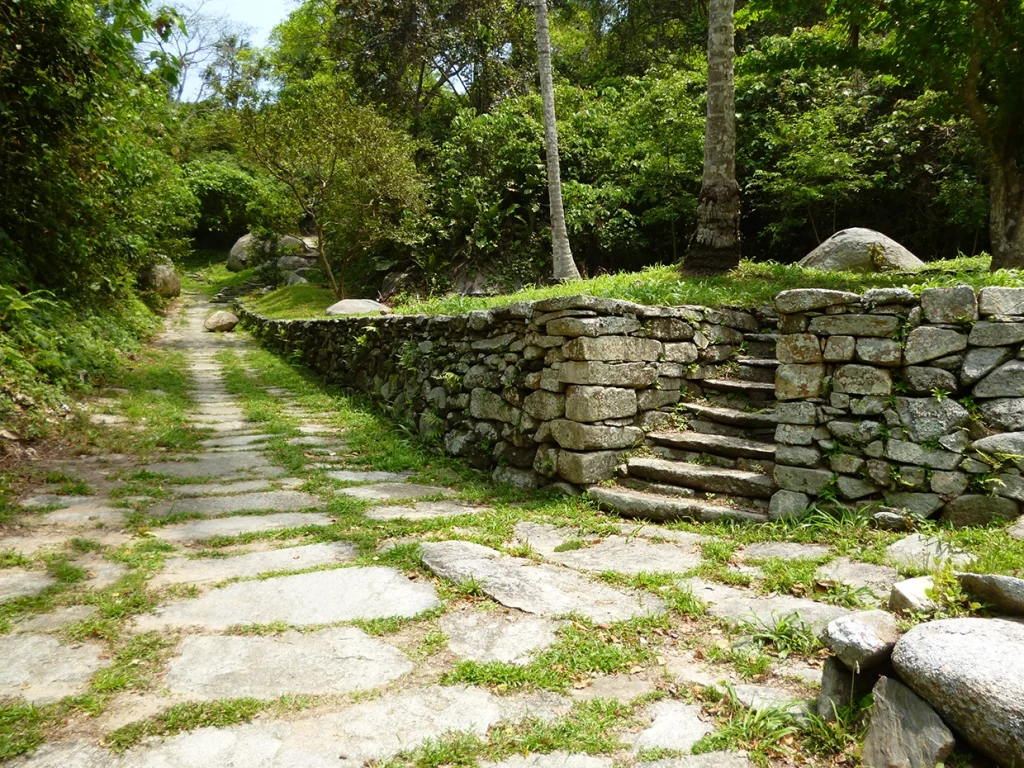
column 546, row 391
column 912, row 404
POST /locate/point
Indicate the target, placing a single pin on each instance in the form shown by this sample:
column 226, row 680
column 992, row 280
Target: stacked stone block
column 906, row 405
column 541, row 392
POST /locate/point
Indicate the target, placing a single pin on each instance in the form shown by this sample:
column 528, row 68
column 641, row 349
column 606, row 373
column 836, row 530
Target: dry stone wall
column 914, row 405
column 540, row 392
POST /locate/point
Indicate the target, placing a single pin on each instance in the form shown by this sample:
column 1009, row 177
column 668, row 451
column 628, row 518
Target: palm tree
column 564, row 266
column 715, row 247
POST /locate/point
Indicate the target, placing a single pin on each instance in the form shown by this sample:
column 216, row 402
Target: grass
column 293, row 302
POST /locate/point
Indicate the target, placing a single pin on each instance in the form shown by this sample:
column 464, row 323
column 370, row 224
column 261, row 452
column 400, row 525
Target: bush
column 224, row 191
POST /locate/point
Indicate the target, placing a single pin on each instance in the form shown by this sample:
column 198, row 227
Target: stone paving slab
column 48, row 539
column 425, row 510
column 676, row 725
column 54, row 620
column 321, row 597
column 781, row 550
column 40, row 669
column 623, row 688
column 101, row 573
column 366, row 476
column 234, row 441
column 210, row 570
column 765, row 697
column 395, row 491
column 705, row 760
column 197, row 530
column 218, row 465
column 89, row 514
column 332, row 661
column 229, row 488
column 16, row 582
column 545, row 590
column 553, row 760
column 53, row 500
column 509, row 637
column 738, row 605
column 613, row 553
column 875, row 579
column 278, row 501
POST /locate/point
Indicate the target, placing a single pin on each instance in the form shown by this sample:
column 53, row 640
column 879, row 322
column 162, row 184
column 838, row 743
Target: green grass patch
column 293, row 302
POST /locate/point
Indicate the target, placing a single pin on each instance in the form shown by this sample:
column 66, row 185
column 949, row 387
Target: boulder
column 861, row 640
column 1004, row 593
column 972, row 672
column 161, row 278
column 912, row 596
column 861, row 250
column 221, row 322
column 904, row 730
column 238, row 258
column 357, row 307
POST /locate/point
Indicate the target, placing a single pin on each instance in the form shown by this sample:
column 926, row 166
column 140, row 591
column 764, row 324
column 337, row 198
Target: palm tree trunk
column 715, row 247
column 564, row 266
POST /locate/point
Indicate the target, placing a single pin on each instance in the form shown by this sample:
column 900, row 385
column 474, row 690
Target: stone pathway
column 263, row 587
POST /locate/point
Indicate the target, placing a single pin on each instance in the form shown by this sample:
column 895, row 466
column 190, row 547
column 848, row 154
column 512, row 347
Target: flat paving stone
column 54, row 620
column 197, row 530
column 235, row 441
column 553, row 760
column 926, row 553
column 210, row 570
column 874, row 579
column 40, row 669
column 738, row 606
column 88, row 514
column 332, row 661
column 765, row 697
column 16, row 582
column 613, row 553
column 541, row 589
column 395, row 491
column 317, row 441
column 218, row 465
column 53, row 500
column 101, row 573
column 498, row 636
column 321, row 597
column 781, row 550
column 364, row 476
column 623, row 688
column 425, row 510
column 684, row 669
column 704, row 760
column 278, row 501
column 228, row 489
column 676, row 725
column 50, row 540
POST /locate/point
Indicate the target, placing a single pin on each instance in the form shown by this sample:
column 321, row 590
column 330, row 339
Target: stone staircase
column 718, row 463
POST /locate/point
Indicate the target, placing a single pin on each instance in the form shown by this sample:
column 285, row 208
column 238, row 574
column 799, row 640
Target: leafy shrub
column 224, row 190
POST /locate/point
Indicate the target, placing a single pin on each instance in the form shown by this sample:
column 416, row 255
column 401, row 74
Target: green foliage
column 224, row 190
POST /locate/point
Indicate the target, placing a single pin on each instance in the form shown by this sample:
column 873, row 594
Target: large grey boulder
column 357, row 307
column 904, row 730
column 221, row 322
column 861, row 640
column 972, row 672
column 1004, row 593
column 238, row 258
column 161, row 278
column 861, row 250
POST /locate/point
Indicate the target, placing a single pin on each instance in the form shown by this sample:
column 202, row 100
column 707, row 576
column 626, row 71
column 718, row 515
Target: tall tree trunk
column 715, row 247
column 339, row 291
column 1006, row 213
column 564, row 266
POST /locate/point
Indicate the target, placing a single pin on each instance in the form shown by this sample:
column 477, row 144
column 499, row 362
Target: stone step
column 760, row 345
column 660, row 508
column 731, row 416
column 737, row 482
column 759, row 374
column 756, row 390
column 758, row 362
column 720, row 445
column 692, row 457
column 678, row 492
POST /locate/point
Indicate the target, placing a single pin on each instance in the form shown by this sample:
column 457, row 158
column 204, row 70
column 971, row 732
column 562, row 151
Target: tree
column 351, row 174
column 715, row 247
column 564, row 266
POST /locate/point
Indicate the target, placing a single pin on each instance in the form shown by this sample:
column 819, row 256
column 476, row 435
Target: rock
column 704, row 760
column 873, row 579
column 676, row 725
column 926, row 418
column 624, row 688
column 545, row 590
column 552, row 760
column 809, row 481
column 425, row 510
column 516, row 477
column 949, row 305
column 924, row 553
column 798, row 382
column 221, row 322
column 788, row 505
column 587, row 468
column 291, row 278
column 40, row 669
column 55, row 620
column 973, row 509
column 861, row 250
column 629, row 375
column 617, row 348
column 985, row 334
column 546, row 406
column 599, row 403
column 321, row 597
column 800, row 348
column 738, row 606
column 925, row 380
column 15, row 582
column 210, row 570
column 593, row 326
column 1005, row 381
column 840, row 349
column 395, row 491
column 1016, row 531
column 239, row 257
column 1007, row 444
column 912, row 596
column 927, row 343
column 357, row 307
column 1001, row 301
column 363, row 476
column 332, row 661
column 839, row 688
column 933, row 458
column 161, row 278
column 982, row 360
column 861, row 380
column 244, row 502
column 883, row 326
column 781, row 550
column 760, row 698
column 972, row 672
column 861, row 640
column 1005, row 415
column 806, row 299
column 591, row 437
column 511, row 638
column 198, row 530
column 884, row 352
column 904, row 730
column 1004, row 593
column 879, row 297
